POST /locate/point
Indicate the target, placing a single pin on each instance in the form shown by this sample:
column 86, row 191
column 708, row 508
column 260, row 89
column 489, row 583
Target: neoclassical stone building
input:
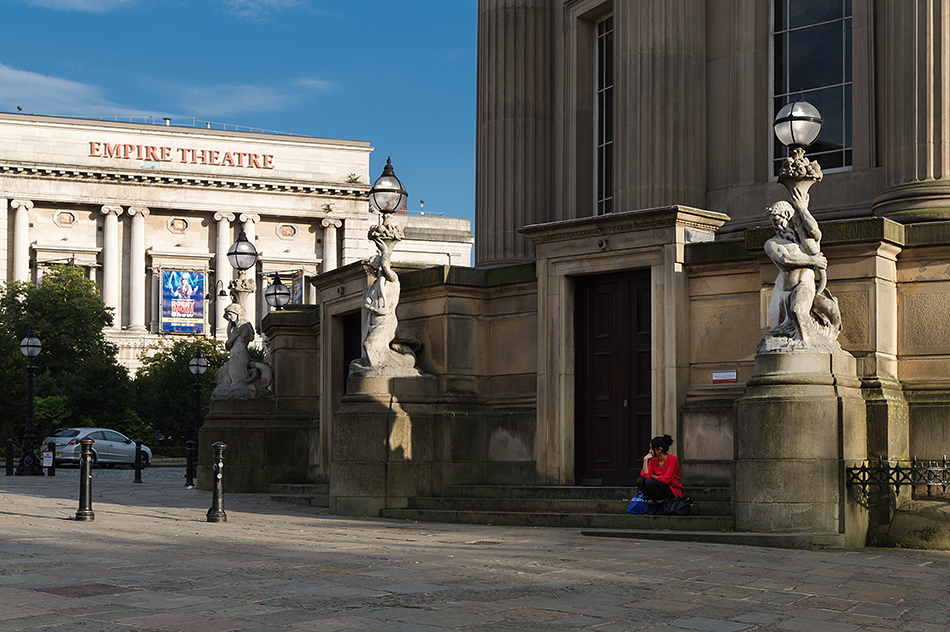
column 129, row 202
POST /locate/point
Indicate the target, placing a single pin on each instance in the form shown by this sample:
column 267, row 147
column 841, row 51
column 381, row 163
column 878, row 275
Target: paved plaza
column 151, row 562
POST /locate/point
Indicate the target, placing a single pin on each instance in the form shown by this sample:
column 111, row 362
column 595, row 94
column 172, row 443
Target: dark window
column 813, row 62
column 604, row 157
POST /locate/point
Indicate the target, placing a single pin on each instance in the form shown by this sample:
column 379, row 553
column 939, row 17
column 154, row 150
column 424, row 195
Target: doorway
column 613, row 377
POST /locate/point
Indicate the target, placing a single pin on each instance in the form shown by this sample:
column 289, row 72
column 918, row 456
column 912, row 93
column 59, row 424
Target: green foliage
column 77, row 378
column 165, row 388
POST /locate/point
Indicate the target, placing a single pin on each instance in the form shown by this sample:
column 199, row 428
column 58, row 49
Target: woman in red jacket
column 660, row 476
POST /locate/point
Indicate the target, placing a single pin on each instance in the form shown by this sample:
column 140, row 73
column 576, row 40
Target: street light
column 277, row 294
column 798, row 124
column 387, row 195
column 30, row 464
column 242, row 255
column 197, row 365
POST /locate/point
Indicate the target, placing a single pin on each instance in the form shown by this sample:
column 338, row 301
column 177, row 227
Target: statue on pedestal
column 803, row 315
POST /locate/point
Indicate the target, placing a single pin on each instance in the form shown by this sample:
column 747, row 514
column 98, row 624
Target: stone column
column 249, row 220
column 137, row 270
column 110, row 260
column 222, row 271
column 4, row 244
column 21, row 239
column 915, row 117
column 514, row 129
column 329, row 243
column 660, row 88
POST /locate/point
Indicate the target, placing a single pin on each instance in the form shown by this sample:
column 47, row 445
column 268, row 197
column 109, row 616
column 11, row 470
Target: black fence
column 913, row 473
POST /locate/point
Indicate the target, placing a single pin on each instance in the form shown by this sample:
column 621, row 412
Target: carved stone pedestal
column 265, row 445
column 801, row 422
column 382, row 445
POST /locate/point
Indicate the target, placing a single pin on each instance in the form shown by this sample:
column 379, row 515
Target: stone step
column 548, row 505
column 560, row 519
column 311, row 500
column 581, row 492
column 299, row 488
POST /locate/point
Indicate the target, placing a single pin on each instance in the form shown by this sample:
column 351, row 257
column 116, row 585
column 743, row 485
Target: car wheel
column 95, row 458
column 145, row 461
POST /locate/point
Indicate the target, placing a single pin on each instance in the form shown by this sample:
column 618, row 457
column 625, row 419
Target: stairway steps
column 547, row 505
column 561, row 519
column 698, row 494
column 309, row 494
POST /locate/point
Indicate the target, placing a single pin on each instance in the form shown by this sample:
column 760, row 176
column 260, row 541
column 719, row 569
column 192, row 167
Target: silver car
column 110, row 448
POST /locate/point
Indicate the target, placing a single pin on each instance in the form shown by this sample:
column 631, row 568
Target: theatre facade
column 150, row 210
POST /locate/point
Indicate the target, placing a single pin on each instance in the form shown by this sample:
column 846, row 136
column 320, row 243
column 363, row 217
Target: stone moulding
column 625, row 222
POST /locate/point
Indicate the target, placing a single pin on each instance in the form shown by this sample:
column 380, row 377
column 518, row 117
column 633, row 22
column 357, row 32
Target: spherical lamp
column 798, row 124
column 242, row 255
column 387, row 194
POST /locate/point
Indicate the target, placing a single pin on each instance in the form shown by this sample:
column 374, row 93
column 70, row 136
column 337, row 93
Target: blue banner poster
column 183, row 302
column 296, row 288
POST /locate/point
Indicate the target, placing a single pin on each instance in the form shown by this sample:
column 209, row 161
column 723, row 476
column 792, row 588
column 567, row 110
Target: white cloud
column 318, row 85
column 42, row 94
column 87, row 6
column 259, row 8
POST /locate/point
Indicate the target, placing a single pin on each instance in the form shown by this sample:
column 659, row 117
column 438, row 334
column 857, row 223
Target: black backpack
column 682, row 506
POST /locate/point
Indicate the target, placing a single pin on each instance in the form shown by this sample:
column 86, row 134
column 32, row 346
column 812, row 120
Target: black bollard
column 85, row 513
column 190, row 466
column 138, row 461
column 216, row 513
column 51, row 447
column 9, row 457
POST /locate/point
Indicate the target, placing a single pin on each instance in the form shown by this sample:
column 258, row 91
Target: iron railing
column 916, row 473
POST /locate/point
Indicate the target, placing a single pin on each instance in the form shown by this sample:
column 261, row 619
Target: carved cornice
column 625, row 222
column 172, row 180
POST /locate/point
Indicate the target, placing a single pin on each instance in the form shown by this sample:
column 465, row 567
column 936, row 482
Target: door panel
column 613, row 377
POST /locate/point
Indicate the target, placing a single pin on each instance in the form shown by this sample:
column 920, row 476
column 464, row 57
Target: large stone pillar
column 4, row 243
column 513, row 138
column 660, row 87
column 915, row 116
column 110, row 260
column 137, row 269
column 249, row 221
column 21, row 239
column 329, row 243
column 223, row 272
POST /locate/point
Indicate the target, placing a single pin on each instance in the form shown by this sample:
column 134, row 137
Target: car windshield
column 66, row 432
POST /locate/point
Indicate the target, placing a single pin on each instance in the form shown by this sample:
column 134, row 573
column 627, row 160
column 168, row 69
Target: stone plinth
column 800, row 423
column 265, row 445
column 382, row 446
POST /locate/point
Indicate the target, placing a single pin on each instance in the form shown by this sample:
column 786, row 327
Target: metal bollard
column 85, row 513
column 51, row 470
column 190, row 466
column 138, row 461
column 9, row 457
column 216, row 513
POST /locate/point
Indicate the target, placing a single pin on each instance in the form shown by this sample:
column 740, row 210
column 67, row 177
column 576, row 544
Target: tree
column 164, row 387
column 77, row 366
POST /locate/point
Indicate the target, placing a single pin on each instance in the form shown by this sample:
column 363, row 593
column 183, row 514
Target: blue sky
column 399, row 74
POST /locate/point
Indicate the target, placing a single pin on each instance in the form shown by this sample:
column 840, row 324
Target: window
column 604, row 116
column 813, row 62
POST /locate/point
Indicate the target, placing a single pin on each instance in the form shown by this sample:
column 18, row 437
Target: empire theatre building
column 150, row 210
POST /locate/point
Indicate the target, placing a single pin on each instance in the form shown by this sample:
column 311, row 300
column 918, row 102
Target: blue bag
column 638, row 505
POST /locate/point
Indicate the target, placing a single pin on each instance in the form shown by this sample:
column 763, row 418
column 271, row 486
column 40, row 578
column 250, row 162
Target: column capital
column 111, row 208
column 224, row 217
column 26, row 205
column 138, row 210
column 250, row 217
column 327, row 223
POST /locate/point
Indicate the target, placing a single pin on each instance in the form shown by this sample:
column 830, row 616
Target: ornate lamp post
column 242, row 255
column 277, row 294
column 30, row 464
column 387, row 194
column 197, row 365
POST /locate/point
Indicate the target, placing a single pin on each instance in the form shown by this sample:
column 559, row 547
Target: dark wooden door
column 612, row 377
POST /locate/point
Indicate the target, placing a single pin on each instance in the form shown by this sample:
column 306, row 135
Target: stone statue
column 241, row 377
column 803, row 315
column 385, row 353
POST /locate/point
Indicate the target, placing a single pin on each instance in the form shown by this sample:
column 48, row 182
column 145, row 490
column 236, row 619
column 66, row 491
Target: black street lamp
column 197, row 365
column 242, row 255
column 30, row 464
column 387, row 194
column 277, row 294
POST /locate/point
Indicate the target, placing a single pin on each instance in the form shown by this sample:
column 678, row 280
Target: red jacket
column 669, row 473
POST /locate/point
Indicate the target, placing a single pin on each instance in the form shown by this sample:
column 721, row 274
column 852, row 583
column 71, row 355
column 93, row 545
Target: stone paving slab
column 151, row 563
